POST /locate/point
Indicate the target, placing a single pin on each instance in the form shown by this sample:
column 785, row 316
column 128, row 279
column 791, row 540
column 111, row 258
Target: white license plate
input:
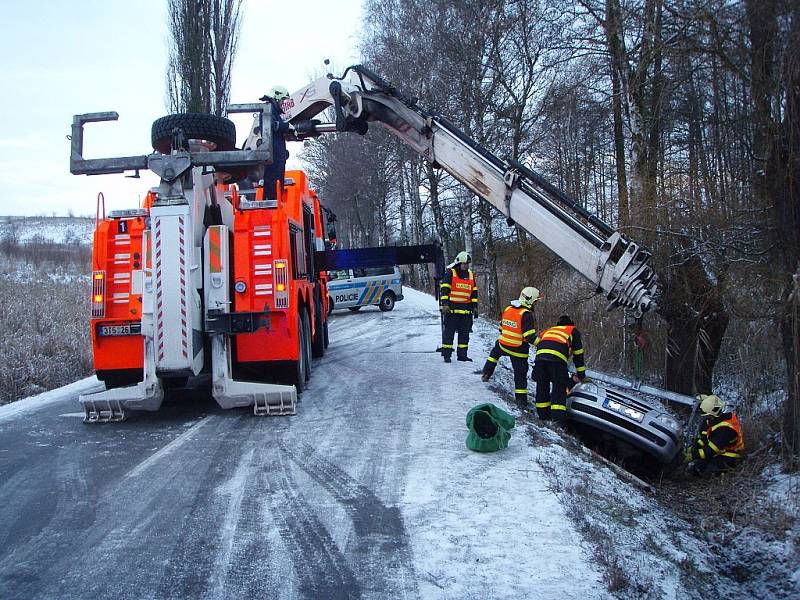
column 109, row 330
column 624, row 409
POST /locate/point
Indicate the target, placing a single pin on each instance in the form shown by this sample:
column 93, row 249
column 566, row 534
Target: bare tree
column 783, row 188
column 204, row 37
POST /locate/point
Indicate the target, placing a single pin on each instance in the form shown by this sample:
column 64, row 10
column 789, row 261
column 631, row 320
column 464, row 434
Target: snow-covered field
column 59, row 230
column 379, row 440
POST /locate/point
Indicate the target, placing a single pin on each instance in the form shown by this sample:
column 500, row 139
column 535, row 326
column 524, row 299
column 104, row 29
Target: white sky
column 62, row 58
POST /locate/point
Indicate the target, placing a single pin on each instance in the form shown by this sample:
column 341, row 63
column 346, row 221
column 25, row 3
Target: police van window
column 359, row 272
column 376, row 271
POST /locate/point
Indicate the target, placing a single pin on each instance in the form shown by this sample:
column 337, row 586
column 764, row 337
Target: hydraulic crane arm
column 613, row 263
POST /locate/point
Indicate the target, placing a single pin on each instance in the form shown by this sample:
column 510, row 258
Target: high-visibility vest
column 511, row 326
column 461, row 288
column 736, row 447
column 559, row 342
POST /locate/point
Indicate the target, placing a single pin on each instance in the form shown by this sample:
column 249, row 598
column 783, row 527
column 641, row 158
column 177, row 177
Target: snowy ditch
column 643, row 547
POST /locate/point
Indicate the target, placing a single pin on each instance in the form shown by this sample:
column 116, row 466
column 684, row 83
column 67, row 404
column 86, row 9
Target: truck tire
column 307, row 347
column 196, row 126
column 299, row 371
column 387, row 302
column 318, row 342
column 325, row 329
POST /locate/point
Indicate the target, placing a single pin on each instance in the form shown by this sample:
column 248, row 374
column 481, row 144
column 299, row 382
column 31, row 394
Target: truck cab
column 273, row 248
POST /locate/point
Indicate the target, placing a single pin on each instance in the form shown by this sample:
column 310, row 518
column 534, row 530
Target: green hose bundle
column 488, row 428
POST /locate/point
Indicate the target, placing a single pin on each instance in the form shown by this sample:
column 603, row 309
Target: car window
column 339, row 275
column 376, row 271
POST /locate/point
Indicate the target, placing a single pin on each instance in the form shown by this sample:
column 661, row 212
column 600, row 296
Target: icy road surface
column 368, row 492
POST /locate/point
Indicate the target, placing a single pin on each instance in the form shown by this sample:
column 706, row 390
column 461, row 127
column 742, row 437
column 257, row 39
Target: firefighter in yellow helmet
column 554, row 348
column 719, row 445
column 517, row 331
column 458, row 301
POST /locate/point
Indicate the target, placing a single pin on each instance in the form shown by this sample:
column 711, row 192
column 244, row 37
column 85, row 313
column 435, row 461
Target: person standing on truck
column 458, row 301
column 274, row 173
column 719, row 446
column 517, row 331
column 554, row 347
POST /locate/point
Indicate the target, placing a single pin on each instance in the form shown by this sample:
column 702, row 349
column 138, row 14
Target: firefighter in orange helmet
column 517, row 330
column 458, row 301
column 554, row 347
column 719, row 445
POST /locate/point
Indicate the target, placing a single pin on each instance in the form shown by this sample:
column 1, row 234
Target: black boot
column 464, row 359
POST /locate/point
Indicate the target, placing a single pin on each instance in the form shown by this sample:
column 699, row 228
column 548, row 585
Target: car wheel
column 330, row 305
column 387, row 302
column 195, row 126
column 354, row 308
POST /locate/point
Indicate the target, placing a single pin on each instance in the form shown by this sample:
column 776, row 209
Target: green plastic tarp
column 488, row 428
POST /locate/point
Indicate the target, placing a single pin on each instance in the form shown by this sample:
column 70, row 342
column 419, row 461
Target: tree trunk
column 696, row 324
column 783, row 188
column 489, row 295
column 434, row 177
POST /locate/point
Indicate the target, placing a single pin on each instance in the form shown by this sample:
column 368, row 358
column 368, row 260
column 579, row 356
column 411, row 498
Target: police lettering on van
column 354, row 288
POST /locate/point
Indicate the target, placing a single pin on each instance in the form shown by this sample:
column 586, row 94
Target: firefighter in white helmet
column 517, row 331
column 458, row 301
column 274, row 172
column 719, row 445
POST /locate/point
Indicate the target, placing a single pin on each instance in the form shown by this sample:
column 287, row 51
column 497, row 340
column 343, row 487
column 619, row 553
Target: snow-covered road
column 368, row 492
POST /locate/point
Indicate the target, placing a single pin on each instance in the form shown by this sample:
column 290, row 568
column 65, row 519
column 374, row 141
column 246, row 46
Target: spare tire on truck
column 219, row 131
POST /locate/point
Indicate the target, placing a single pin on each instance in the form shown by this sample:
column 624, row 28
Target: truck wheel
column 325, row 329
column 196, row 126
column 318, row 341
column 307, row 347
column 387, row 302
column 354, row 308
column 299, row 374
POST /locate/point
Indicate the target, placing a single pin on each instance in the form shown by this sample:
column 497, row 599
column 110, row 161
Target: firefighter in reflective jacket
column 517, row 330
column 719, row 445
column 458, row 302
column 554, row 347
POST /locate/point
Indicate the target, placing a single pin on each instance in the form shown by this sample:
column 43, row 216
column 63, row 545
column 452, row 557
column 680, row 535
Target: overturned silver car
column 646, row 426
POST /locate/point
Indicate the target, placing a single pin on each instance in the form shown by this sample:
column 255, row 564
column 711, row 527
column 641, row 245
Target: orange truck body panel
column 260, row 238
column 117, row 254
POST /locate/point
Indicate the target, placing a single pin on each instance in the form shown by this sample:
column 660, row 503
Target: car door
column 343, row 289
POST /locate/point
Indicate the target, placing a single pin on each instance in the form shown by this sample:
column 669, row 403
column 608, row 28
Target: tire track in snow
column 200, row 556
column 382, row 554
column 321, row 568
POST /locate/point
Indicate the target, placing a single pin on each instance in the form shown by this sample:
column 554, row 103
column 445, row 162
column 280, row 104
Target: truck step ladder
column 102, row 411
column 111, row 405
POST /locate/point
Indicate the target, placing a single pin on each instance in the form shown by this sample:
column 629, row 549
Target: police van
column 355, row 288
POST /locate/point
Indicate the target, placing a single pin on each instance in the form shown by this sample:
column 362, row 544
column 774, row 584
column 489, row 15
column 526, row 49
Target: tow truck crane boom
column 613, row 263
